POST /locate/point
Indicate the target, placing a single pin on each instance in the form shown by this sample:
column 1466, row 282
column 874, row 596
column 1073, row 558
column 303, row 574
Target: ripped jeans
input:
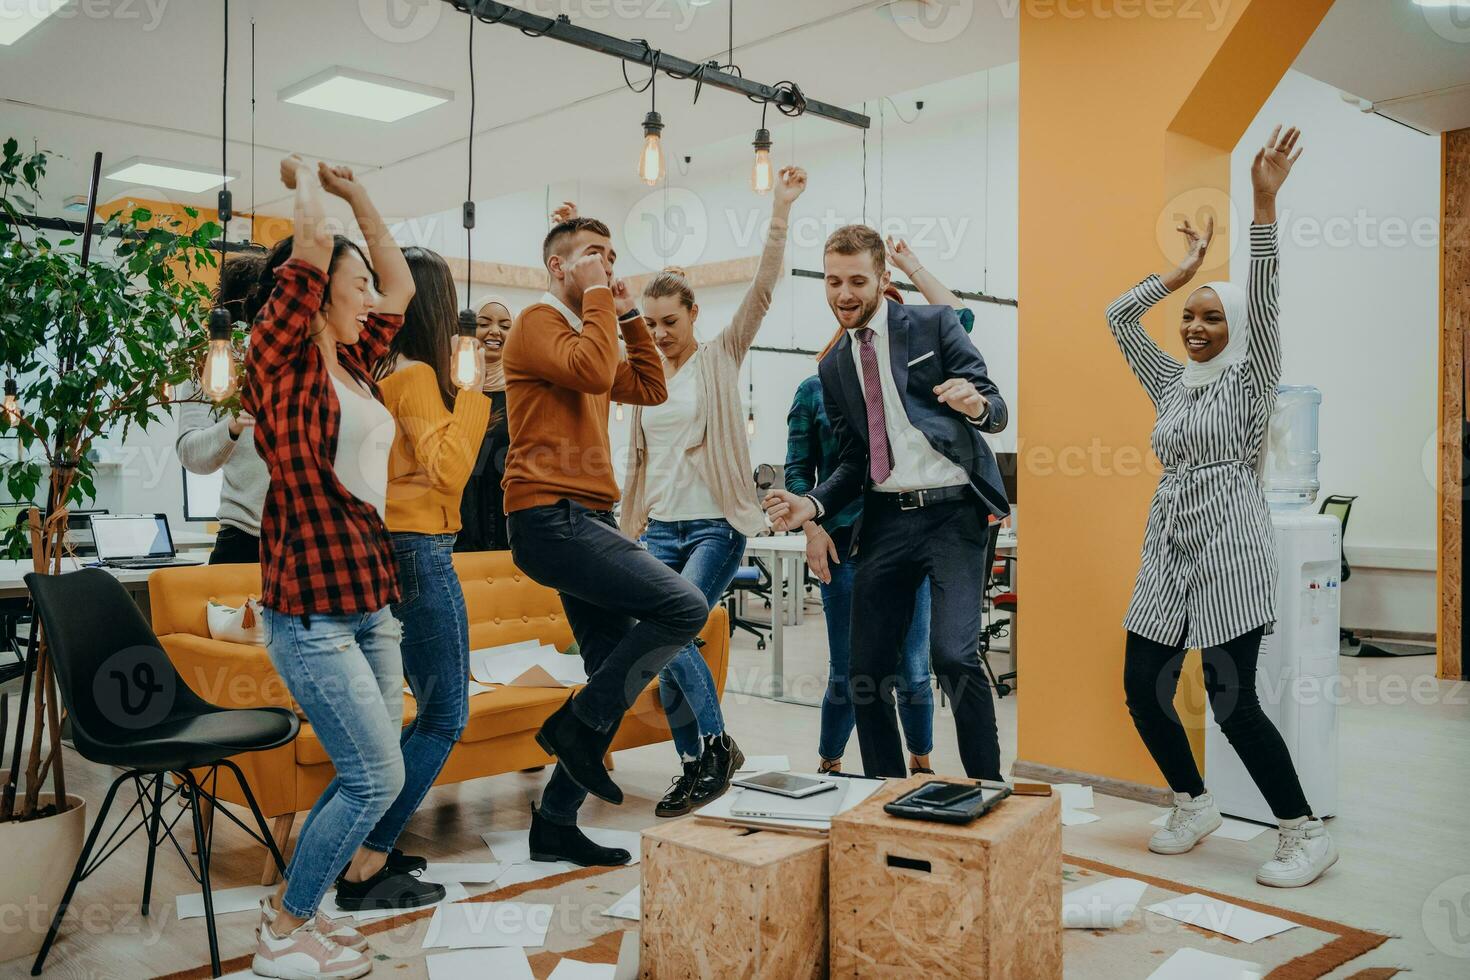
column 346, row 673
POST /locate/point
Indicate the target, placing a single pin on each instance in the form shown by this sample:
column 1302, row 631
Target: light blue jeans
column 346, row 672
column 706, row 553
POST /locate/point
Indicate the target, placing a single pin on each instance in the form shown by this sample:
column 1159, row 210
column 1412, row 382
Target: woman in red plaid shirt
column 327, row 562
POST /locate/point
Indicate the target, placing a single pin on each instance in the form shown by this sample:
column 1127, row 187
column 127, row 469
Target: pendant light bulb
column 618, row 411
column 750, row 423
column 217, row 377
column 762, row 177
column 651, row 159
column 468, row 360
column 12, row 402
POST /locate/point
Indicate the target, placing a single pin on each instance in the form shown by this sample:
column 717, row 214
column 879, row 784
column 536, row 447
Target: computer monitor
column 123, row 537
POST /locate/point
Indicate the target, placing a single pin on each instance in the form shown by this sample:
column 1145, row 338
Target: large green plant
column 93, row 347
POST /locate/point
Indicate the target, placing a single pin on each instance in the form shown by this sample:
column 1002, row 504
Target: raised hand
column 1274, row 161
column 1197, row 245
column 588, row 271
column 961, row 395
column 289, row 167
column 338, row 181
column 790, row 182
column 787, row 511
column 622, row 296
column 566, row 212
column 901, row 257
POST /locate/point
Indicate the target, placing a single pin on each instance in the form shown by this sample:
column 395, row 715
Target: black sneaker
column 677, row 801
column 408, row 864
column 722, row 758
column 387, row 890
column 579, row 749
column 566, row 842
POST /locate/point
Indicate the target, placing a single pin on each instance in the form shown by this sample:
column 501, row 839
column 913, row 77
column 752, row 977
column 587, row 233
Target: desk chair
column 1000, row 575
column 130, row 709
column 754, row 578
column 1341, row 507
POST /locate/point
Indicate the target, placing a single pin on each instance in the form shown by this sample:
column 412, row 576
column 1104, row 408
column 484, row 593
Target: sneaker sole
column 1182, row 849
column 549, row 750
column 558, row 859
column 1270, row 883
column 265, row 968
column 371, row 905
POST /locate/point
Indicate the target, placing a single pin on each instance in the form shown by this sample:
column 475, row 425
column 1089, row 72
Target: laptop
column 135, row 541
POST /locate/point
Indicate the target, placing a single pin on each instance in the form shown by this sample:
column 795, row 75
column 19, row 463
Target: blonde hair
column 671, row 281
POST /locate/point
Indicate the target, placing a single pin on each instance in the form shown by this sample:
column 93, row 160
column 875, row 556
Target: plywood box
column 913, row 898
column 728, row 902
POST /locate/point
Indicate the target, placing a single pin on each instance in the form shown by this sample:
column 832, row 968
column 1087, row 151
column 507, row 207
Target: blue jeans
column 706, row 553
column 346, row 672
column 913, row 693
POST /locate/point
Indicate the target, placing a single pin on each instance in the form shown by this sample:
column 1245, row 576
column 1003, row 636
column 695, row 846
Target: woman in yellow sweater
column 439, row 430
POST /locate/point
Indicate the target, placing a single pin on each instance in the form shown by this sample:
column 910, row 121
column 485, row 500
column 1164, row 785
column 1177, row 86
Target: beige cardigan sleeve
column 740, row 334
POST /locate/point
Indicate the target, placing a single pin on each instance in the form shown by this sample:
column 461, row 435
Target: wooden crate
column 728, row 902
column 913, row 898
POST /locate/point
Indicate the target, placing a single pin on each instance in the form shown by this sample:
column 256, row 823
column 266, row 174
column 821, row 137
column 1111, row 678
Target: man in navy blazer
column 908, row 398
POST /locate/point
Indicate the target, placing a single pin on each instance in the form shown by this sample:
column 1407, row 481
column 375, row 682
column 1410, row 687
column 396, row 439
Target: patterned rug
column 580, row 931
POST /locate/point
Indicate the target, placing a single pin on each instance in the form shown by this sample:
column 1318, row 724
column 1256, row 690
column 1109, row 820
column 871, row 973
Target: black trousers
column 1150, row 678
column 629, row 612
column 896, row 550
column 233, row 546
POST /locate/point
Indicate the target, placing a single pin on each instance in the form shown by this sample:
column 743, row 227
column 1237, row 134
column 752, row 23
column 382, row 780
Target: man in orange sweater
column 629, row 611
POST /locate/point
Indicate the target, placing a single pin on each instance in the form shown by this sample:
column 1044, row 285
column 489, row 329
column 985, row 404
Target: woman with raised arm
column 1208, row 577
column 690, row 489
column 322, row 317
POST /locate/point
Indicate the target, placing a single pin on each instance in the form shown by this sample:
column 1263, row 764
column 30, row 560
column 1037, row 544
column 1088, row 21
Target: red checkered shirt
column 322, row 549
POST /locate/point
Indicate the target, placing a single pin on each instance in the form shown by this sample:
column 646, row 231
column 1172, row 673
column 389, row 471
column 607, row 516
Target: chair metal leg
column 272, row 845
column 204, row 848
column 152, row 839
column 76, row 874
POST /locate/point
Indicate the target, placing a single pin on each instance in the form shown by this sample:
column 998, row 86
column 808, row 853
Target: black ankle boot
column 579, row 749
column 678, row 801
column 565, row 842
column 722, row 758
column 388, row 889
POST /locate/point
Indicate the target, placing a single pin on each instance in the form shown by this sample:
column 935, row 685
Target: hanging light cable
column 218, row 375
column 468, row 364
column 651, row 166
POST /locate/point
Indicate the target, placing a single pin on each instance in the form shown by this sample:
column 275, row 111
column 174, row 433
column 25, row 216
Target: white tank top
column 364, row 440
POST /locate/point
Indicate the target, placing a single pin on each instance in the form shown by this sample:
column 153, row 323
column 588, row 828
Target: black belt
column 914, row 499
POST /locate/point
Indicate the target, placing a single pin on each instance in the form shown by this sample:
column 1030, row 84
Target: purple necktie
column 880, row 455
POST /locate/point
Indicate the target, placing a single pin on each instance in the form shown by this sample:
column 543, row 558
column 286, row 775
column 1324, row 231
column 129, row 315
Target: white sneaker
column 342, row 933
column 1303, row 851
column 304, row 953
column 1191, row 821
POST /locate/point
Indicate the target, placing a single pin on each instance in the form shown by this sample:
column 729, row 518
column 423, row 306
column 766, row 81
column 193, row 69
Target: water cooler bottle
column 1297, row 674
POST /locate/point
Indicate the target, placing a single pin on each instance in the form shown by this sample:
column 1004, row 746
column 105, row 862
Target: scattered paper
column 1105, row 905
column 478, row 872
column 577, row 970
column 1196, row 964
column 627, row 907
column 508, row 846
column 453, row 892
column 477, row 688
column 506, row 963
column 766, row 763
column 1230, row 828
column 1071, row 818
column 519, row 874
column 536, row 676
column 1246, row 925
column 1074, row 796
column 226, row 901
column 629, row 953
column 474, row 924
column 527, row 664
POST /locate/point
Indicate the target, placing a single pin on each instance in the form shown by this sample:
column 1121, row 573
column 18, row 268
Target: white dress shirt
column 916, row 464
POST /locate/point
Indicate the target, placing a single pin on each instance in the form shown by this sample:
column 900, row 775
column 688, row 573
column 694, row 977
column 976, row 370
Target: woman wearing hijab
column 482, row 508
column 1208, row 576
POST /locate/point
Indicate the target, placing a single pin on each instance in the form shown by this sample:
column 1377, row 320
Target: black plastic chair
column 129, row 708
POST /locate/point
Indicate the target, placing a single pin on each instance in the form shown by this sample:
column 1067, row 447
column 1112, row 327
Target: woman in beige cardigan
column 689, row 491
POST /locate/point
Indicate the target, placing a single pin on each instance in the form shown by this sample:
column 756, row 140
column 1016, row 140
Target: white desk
column 186, row 540
column 13, row 572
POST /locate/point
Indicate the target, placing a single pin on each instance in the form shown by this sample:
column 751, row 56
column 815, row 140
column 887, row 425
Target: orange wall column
column 1128, row 116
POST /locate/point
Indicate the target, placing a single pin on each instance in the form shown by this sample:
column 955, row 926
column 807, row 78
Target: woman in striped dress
column 1208, row 577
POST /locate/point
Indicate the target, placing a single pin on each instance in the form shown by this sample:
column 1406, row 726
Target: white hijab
column 1198, row 374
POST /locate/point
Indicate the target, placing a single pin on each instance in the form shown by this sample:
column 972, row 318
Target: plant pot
column 39, row 858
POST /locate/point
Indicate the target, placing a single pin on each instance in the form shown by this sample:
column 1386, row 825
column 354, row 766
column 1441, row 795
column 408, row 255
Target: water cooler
column 1296, row 675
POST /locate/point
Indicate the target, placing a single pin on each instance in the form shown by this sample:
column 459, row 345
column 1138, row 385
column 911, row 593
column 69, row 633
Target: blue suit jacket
column 913, row 333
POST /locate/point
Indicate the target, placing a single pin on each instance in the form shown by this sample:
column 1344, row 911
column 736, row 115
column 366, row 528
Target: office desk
column 135, row 580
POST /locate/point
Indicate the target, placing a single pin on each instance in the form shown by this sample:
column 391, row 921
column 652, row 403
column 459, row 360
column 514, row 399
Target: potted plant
column 88, row 343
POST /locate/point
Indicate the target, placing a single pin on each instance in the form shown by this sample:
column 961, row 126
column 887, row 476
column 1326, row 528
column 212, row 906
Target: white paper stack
column 529, row 663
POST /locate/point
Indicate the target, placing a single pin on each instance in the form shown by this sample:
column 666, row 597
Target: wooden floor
column 1404, row 828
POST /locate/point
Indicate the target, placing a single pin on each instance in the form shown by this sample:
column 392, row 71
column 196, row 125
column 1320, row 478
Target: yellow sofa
column 504, row 606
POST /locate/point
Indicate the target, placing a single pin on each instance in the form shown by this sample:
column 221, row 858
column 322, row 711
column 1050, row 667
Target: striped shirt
column 1209, row 565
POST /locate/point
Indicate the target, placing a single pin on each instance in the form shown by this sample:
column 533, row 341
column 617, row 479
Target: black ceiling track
column 787, row 99
column 80, row 228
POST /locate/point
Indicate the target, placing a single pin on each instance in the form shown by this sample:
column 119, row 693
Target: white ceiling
column 133, row 86
column 1411, row 62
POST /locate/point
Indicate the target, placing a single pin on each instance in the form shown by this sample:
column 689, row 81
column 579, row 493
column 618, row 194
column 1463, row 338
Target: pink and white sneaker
column 304, row 953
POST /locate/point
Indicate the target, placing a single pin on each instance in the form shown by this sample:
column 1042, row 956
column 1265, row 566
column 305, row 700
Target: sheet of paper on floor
column 1071, row 818
column 577, row 970
column 630, row 906
column 629, row 952
column 504, row 963
column 508, row 846
column 475, row 872
column 1074, row 796
column 1230, row 828
column 1104, row 905
column 1196, row 964
column 226, row 901
column 519, row 874
column 1237, row 922
column 475, row 924
column 453, row 892
column 766, row 763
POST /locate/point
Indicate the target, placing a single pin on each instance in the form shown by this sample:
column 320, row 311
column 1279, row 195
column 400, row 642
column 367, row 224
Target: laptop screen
column 132, row 536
